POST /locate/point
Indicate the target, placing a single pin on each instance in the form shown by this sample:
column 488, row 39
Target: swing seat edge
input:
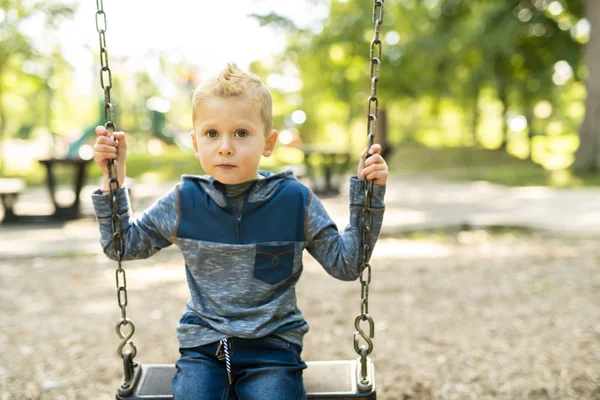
column 323, row 380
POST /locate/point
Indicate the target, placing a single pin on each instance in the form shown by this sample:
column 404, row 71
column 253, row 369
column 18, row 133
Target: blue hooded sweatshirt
column 242, row 264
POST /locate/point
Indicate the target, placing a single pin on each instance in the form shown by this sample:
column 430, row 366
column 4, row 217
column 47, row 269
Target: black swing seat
column 322, row 379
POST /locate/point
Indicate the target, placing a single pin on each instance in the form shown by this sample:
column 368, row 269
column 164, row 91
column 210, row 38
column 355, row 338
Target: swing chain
column 125, row 327
column 105, row 72
column 367, row 217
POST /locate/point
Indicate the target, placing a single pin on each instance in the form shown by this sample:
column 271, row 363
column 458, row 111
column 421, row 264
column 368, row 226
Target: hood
column 261, row 191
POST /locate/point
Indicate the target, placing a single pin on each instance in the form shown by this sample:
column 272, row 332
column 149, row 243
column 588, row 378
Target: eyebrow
column 245, row 124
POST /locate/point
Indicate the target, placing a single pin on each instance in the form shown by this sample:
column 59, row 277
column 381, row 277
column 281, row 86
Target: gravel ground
column 466, row 316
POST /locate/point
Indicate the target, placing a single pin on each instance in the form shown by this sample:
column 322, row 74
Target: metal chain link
column 125, row 327
column 367, row 217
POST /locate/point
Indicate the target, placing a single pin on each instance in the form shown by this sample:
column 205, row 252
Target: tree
column 438, row 53
column 587, row 157
column 333, row 64
column 16, row 47
column 510, row 45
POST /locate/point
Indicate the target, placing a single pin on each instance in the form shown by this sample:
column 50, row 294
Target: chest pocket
column 274, row 263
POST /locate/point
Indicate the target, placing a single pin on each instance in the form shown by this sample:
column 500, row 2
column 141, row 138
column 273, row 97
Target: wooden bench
column 10, row 189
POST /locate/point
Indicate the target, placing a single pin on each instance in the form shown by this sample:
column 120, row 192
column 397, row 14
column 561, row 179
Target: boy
column 242, row 232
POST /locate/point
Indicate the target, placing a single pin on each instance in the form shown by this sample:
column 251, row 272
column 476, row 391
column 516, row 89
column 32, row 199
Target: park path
column 413, row 203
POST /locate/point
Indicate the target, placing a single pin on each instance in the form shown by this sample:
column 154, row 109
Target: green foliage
column 17, row 48
column 445, row 65
column 453, row 73
column 25, row 69
column 276, row 21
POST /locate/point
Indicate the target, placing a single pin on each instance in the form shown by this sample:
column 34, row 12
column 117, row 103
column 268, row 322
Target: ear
column 195, row 143
column 270, row 141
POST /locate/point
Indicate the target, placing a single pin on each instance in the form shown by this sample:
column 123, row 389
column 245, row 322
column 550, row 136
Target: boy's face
column 229, row 139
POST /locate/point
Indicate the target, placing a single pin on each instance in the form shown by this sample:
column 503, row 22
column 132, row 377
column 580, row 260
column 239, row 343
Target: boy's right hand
column 107, row 148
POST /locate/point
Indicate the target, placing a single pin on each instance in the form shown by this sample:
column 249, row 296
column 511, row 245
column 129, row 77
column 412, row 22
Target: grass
column 464, row 164
column 495, row 166
column 452, row 233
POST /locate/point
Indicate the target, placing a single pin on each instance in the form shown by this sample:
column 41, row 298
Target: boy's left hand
column 374, row 167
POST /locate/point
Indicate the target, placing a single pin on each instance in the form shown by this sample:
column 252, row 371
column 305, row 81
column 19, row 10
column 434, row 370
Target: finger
column 374, row 159
column 120, row 137
column 379, row 176
column 369, row 172
column 379, row 163
column 106, row 140
column 375, row 149
column 373, row 168
column 101, row 156
column 363, row 155
column 103, row 148
column 102, row 131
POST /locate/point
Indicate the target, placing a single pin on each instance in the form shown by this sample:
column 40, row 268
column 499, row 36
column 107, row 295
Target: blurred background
column 474, row 89
column 486, row 276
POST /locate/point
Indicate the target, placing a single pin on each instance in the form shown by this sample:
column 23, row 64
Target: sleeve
column 341, row 255
column 144, row 236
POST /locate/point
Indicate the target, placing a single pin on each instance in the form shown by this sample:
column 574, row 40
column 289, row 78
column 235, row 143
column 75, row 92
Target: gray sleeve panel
column 143, row 236
column 341, row 255
column 357, row 194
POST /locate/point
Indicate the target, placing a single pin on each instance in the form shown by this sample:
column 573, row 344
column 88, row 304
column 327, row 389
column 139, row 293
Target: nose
column 225, row 148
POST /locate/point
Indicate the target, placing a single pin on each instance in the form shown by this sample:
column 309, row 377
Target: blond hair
column 233, row 82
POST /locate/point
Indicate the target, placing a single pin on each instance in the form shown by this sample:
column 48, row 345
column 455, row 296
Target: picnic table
column 11, row 188
column 331, row 161
column 72, row 210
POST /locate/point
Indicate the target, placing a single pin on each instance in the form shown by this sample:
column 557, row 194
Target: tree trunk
column 502, row 87
column 475, row 117
column 503, row 97
column 531, row 133
column 587, row 157
column 382, row 133
column 2, row 129
column 528, row 101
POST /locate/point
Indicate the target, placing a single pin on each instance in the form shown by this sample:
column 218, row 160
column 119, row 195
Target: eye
column 212, row 133
column 242, row 133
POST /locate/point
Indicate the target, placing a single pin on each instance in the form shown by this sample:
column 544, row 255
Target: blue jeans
column 261, row 369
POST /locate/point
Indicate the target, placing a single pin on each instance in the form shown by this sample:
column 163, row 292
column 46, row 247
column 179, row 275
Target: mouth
column 225, row 166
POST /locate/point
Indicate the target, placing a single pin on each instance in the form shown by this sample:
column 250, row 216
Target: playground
column 459, row 314
column 486, row 276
